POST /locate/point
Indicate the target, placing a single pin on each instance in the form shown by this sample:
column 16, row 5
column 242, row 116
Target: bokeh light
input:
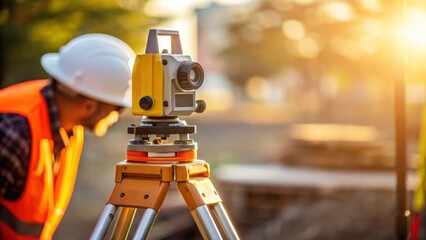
column 415, row 28
column 293, row 29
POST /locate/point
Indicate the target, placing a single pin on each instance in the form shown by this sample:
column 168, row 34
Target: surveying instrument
column 163, row 88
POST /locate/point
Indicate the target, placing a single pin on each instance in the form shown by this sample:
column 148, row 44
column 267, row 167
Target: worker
column 42, row 126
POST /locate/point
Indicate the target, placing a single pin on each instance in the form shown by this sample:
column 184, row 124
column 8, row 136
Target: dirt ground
column 348, row 215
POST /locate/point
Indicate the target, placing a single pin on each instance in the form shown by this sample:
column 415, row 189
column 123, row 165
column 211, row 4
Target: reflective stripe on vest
column 18, row 226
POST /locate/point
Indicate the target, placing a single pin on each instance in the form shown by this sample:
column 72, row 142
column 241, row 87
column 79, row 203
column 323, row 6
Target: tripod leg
column 123, row 224
column 199, row 193
column 145, row 224
column 104, row 221
column 205, row 223
column 224, row 222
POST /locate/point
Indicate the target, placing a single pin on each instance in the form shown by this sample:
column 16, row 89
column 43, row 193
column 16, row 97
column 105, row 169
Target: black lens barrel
column 190, row 75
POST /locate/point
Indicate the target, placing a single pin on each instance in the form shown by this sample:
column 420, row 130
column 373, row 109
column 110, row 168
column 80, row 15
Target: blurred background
column 299, row 129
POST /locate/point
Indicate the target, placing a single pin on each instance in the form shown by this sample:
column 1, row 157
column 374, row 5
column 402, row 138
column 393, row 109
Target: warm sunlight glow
column 257, row 88
column 333, row 133
column 309, row 47
column 303, row 2
column 372, row 27
column 339, row 11
column 233, row 2
column 217, row 99
column 415, row 28
column 167, row 8
column 293, row 29
column 372, row 5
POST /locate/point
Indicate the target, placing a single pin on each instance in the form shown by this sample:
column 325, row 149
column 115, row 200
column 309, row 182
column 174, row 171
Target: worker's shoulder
column 23, row 98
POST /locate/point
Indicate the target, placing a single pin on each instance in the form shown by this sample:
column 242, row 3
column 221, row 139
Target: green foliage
column 31, row 28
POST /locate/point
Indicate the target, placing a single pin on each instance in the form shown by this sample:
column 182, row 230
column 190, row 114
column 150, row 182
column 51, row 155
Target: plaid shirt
column 15, row 146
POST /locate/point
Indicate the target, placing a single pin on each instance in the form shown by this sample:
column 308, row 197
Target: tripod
column 144, row 178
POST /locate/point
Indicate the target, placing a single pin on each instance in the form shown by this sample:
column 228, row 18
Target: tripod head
column 151, row 144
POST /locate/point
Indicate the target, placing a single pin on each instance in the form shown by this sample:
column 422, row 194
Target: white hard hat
column 95, row 65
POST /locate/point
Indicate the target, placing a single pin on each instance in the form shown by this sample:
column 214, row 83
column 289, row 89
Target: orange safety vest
column 41, row 206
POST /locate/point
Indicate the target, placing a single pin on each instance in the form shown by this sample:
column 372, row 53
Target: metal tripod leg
column 123, row 224
column 145, row 224
column 224, row 222
column 104, row 221
column 201, row 196
column 205, row 223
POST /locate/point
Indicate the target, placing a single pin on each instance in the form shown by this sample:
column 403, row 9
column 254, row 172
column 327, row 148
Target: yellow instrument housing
column 147, row 80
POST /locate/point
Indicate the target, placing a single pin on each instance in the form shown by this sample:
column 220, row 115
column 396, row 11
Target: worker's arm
column 15, row 147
